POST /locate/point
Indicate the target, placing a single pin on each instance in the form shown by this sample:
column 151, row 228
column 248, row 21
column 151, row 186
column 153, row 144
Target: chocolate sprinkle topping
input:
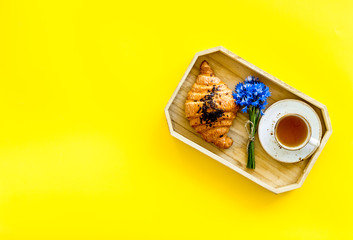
column 209, row 110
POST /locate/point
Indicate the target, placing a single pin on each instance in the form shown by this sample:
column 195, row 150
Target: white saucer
column 267, row 125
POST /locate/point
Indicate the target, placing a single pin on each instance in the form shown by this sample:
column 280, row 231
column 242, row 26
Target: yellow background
column 85, row 151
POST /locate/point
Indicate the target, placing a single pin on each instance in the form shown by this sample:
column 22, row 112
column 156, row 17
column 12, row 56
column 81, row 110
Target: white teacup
column 299, row 119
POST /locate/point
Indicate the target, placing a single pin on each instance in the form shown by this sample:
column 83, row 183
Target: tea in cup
column 293, row 132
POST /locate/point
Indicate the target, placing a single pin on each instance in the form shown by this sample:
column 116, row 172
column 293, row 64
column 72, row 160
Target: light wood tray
column 275, row 176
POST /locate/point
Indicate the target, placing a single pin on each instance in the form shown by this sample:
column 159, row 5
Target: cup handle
column 314, row 142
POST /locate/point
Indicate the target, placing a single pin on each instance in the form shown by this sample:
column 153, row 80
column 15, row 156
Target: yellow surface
column 85, row 151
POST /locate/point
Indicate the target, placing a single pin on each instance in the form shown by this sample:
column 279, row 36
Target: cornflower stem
column 254, row 115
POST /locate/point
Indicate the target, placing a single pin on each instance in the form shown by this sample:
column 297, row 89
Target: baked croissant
column 210, row 107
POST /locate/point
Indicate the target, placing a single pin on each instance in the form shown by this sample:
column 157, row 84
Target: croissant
column 210, row 107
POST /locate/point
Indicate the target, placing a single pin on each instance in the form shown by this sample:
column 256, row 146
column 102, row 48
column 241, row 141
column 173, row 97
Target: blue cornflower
column 251, row 92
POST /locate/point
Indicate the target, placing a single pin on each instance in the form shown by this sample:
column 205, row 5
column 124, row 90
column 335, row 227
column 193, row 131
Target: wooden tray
column 275, row 176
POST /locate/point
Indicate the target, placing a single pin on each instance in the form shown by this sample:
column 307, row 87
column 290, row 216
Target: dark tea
column 291, row 131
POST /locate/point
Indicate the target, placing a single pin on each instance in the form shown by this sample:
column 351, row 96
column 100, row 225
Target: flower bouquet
column 252, row 96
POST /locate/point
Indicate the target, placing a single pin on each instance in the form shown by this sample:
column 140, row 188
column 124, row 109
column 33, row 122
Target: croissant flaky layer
column 210, row 107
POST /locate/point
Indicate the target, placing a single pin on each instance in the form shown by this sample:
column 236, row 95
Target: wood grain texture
column 231, row 69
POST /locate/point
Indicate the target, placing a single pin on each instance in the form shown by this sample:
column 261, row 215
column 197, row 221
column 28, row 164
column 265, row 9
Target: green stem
column 251, row 156
column 254, row 118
